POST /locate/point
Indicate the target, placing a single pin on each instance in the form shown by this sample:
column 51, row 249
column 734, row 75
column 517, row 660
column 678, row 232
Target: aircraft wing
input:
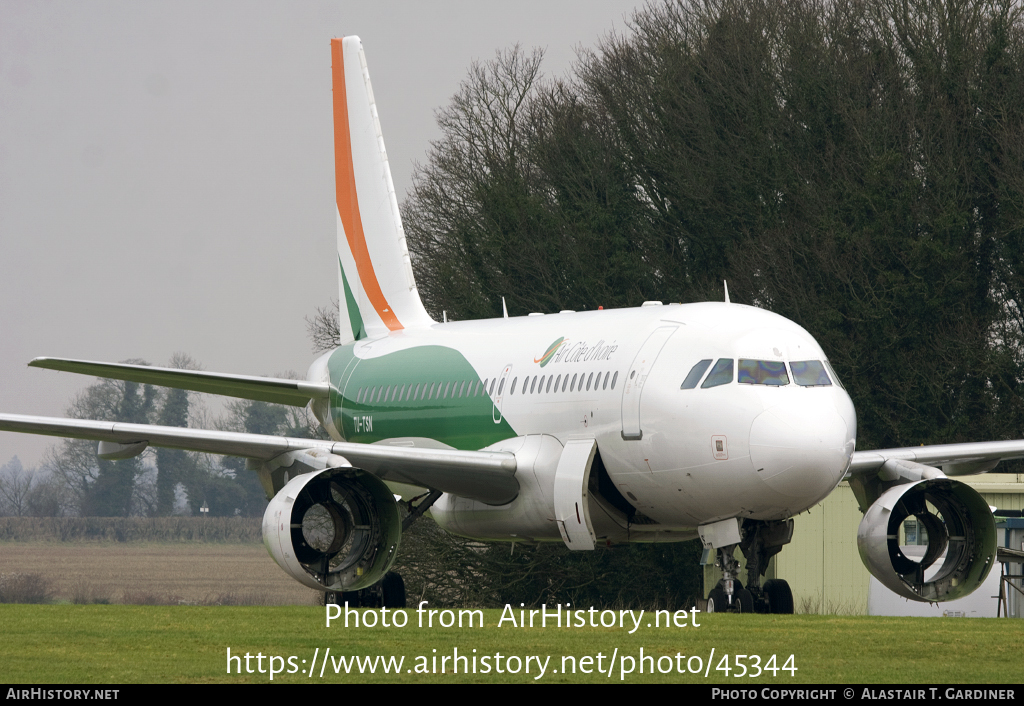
column 955, row 459
column 488, row 476
column 297, row 393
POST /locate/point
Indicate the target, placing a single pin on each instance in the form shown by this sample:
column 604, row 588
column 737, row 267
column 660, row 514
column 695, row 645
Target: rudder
column 376, row 284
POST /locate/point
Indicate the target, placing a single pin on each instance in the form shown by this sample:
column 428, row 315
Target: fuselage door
column 499, row 394
column 635, row 378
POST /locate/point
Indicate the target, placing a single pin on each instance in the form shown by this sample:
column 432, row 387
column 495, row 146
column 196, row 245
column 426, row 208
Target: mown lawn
column 120, row 644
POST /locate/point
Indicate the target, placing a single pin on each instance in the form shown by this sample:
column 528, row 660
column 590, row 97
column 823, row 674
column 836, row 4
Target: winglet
column 376, row 281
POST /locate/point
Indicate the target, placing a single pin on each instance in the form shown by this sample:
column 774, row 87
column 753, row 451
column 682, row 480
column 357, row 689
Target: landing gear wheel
column 393, row 588
column 779, row 595
column 718, row 602
column 332, row 598
column 743, row 600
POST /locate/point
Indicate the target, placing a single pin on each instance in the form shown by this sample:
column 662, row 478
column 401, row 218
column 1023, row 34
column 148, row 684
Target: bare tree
column 16, row 485
column 322, row 327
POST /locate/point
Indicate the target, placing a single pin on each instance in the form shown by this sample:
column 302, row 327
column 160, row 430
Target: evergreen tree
column 855, row 166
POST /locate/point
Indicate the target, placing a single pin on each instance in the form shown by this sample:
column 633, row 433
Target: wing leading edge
column 296, row 393
column 954, row 459
column 488, row 476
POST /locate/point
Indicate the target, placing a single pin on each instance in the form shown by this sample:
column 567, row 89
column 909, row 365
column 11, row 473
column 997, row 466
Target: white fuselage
column 682, row 457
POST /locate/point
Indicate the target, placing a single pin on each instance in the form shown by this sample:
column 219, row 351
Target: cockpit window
column 721, row 374
column 832, row 372
column 695, row 374
column 809, row 373
column 762, row 372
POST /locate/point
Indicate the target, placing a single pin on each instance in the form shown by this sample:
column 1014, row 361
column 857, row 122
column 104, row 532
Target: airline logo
column 549, row 353
column 562, row 351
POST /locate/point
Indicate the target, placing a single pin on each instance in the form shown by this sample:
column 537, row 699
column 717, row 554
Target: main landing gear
column 389, row 593
column 760, row 542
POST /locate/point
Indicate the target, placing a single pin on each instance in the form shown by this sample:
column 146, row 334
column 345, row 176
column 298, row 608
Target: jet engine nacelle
column 336, row 529
column 963, row 528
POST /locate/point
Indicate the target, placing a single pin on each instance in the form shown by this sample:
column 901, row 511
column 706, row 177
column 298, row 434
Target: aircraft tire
column 779, row 595
column 718, row 602
column 744, row 600
column 393, row 588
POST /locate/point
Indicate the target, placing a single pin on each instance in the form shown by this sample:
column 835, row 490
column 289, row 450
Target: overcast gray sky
column 166, row 175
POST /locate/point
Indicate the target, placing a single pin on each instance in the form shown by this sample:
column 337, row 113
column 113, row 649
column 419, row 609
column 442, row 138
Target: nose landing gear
column 760, row 542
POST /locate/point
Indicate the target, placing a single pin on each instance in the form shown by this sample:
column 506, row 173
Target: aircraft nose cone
column 800, row 450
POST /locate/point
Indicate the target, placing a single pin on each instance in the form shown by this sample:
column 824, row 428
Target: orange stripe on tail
column 348, row 202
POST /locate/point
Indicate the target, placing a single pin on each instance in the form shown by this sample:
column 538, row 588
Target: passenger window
column 493, row 381
column 695, row 374
column 721, row 374
column 572, row 385
column 548, row 388
column 512, row 391
column 502, row 385
column 762, row 372
column 809, row 373
column 614, row 378
column 565, row 383
column 590, row 380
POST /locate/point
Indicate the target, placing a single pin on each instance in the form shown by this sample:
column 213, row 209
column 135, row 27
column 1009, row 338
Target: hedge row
column 131, row 529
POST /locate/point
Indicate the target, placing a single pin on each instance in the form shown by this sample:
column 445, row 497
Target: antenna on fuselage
column 503, row 309
column 726, row 291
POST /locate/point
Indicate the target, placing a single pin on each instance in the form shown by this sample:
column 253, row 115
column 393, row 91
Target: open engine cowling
column 336, row 529
column 961, row 525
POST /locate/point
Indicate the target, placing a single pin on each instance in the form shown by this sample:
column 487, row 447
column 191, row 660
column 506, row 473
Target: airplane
column 661, row 423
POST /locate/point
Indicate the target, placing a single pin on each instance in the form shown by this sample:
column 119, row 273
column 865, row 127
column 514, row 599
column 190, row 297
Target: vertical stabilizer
column 377, row 288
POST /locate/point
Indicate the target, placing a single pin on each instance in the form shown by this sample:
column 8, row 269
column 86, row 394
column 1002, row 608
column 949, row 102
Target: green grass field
column 120, row 644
